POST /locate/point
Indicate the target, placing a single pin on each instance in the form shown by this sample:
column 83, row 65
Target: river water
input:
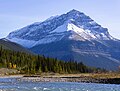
column 12, row 84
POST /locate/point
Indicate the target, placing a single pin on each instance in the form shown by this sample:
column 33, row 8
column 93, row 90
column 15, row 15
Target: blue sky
column 15, row 14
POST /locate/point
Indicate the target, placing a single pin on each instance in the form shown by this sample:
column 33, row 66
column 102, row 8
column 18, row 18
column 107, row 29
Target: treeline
column 35, row 64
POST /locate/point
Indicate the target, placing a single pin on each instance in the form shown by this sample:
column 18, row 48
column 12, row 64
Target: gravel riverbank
column 70, row 79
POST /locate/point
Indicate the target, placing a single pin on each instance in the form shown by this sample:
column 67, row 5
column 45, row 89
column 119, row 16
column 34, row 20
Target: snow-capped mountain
column 74, row 36
column 75, row 25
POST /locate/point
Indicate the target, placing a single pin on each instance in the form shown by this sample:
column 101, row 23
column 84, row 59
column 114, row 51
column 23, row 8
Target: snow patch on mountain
column 60, row 29
column 23, row 42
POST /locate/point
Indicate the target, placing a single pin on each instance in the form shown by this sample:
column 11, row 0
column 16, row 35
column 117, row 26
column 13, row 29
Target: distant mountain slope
column 71, row 36
column 96, row 55
column 6, row 44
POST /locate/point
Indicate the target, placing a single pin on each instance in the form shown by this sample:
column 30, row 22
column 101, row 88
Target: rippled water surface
column 11, row 84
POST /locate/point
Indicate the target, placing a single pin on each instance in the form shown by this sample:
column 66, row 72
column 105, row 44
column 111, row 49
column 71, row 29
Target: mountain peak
column 74, row 11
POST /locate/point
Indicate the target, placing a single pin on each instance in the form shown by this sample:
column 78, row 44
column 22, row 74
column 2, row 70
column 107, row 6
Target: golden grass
column 93, row 75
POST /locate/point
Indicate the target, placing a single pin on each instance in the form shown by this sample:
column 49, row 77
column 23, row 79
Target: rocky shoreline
column 69, row 79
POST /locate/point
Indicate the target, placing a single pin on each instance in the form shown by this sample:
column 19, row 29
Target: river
column 12, row 84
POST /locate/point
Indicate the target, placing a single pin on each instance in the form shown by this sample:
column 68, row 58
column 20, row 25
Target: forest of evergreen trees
column 35, row 64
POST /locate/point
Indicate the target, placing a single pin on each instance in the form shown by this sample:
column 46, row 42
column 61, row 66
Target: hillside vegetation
column 36, row 64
